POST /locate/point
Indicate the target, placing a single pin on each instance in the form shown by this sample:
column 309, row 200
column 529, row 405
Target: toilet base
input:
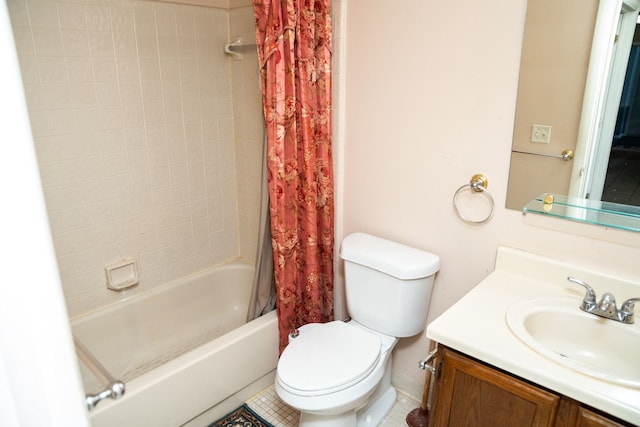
column 314, row 420
column 375, row 411
column 370, row 415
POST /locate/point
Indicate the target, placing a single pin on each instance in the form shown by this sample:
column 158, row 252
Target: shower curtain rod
column 236, row 43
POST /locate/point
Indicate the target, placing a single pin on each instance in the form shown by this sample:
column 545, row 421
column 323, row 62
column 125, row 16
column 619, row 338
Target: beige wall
column 555, row 58
column 144, row 130
column 430, row 94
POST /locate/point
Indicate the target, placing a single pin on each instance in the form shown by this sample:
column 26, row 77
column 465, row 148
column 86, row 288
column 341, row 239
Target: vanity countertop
column 476, row 326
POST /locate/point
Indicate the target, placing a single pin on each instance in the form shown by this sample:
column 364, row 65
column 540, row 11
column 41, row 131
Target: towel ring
column 479, row 184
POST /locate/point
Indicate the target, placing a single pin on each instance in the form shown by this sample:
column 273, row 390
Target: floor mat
column 241, row 417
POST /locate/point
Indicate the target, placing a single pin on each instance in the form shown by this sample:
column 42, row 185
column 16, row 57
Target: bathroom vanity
column 518, row 351
column 472, row 393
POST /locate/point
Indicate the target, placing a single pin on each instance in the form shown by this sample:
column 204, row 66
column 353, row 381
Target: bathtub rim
column 154, row 381
column 148, row 293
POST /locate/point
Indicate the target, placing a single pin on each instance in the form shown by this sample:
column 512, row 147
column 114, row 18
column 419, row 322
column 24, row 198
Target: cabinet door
column 587, row 418
column 471, row 394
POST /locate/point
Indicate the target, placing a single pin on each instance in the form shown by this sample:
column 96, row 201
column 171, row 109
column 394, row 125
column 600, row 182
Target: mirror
column 572, row 75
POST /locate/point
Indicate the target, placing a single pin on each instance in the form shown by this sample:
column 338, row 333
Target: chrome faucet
column 607, row 306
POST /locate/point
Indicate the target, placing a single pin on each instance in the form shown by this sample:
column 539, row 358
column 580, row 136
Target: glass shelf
column 606, row 214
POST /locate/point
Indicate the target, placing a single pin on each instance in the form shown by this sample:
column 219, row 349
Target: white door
column 39, row 379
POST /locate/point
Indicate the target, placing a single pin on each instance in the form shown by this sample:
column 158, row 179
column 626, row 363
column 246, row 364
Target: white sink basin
column 557, row 329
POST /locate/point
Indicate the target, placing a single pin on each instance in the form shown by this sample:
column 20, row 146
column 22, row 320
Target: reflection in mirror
column 553, row 73
column 614, row 215
column 570, row 90
column 604, row 113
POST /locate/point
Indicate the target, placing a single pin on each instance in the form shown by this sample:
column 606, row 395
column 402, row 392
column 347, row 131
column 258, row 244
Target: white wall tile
column 127, row 68
column 39, row 123
column 104, row 69
column 33, row 95
column 29, row 69
column 122, row 20
column 52, row 69
column 56, row 96
column 187, row 47
column 83, row 95
column 115, row 163
column 169, row 69
column 185, row 20
column 86, row 119
column 133, row 115
column 147, row 46
column 93, row 168
column 124, row 44
column 61, row 122
column 107, row 94
column 167, row 46
column 75, row 43
column 71, row 16
column 43, row 14
column 154, row 114
column 112, row 141
column 79, row 69
column 18, row 13
column 144, row 20
column 101, row 43
column 166, row 20
column 24, row 41
column 47, row 42
column 97, row 18
column 149, row 68
column 130, row 92
column 131, row 110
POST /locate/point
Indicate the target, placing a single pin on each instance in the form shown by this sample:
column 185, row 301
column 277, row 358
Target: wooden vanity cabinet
column 469, row 393
column 572, row 414
column 473, row 394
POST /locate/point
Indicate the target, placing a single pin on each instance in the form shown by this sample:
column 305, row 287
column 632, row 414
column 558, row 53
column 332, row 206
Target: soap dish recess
column 122, row 274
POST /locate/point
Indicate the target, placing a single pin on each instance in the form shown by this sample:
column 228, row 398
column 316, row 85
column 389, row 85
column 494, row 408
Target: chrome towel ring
column 478, row 184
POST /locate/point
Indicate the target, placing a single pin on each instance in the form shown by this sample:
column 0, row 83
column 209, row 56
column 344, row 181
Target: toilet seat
column 327, row 358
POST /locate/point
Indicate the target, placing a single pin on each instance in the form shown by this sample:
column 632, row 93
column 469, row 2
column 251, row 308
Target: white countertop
column 476, row 326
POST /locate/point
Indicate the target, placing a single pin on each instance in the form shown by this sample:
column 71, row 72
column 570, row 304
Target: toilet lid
column 328, row 358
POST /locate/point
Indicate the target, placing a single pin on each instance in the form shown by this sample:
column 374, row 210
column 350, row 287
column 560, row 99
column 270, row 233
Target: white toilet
column 338, row 374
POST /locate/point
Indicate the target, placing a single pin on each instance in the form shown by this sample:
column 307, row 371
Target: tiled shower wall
column 140, row 149
column 248, row 126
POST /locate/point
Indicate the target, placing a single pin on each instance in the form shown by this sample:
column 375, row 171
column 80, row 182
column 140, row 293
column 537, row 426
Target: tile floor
column 269, row 406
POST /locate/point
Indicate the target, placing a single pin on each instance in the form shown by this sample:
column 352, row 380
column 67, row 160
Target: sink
column 557, row 329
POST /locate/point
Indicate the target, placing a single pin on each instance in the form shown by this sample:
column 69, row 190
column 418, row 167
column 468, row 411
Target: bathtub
column 182, row 350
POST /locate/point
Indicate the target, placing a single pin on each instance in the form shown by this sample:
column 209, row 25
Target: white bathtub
column 180, row 350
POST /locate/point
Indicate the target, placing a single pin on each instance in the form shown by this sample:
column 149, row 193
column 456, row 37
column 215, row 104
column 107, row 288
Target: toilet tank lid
column 395, row 259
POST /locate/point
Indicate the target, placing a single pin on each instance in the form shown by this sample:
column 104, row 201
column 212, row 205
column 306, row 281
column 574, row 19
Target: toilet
column 339, row 373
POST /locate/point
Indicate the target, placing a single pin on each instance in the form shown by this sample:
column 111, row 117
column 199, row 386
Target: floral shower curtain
column 294, row 49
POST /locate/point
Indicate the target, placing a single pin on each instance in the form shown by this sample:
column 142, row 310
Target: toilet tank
column 388, row 285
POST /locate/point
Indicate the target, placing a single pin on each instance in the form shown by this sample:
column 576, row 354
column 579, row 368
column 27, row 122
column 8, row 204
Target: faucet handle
column 629, row 305
column 626, row 313
column 589, row 299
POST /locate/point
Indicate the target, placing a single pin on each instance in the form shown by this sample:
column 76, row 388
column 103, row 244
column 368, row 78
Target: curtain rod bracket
column 236, row 43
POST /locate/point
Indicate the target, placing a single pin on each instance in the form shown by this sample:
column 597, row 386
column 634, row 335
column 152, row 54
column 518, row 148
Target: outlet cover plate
column 541, row 134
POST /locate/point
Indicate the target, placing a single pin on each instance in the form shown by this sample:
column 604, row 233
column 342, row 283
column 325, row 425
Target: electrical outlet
column 541, row 134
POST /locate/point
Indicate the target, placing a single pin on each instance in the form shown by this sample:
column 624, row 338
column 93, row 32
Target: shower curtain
column 294, row 49
column 263, row 296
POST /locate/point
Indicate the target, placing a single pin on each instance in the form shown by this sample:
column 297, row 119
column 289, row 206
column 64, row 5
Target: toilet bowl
column 331, row 370
column 339, row 373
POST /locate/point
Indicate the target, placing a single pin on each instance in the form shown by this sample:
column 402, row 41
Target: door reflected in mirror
column 572, row 84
